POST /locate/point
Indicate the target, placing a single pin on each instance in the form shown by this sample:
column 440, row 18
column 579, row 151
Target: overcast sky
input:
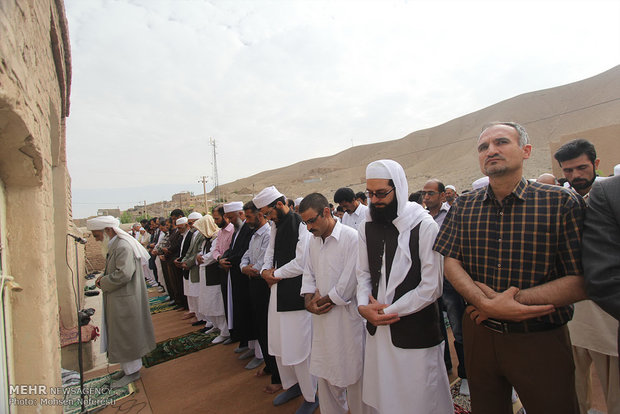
column 276, row 82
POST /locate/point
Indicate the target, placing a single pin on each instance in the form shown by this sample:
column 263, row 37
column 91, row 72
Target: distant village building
column 115, row 212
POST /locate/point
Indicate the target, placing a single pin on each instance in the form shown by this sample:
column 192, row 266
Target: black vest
column 212, row 271
column 420, row 329
column 184, row 249
column 287, row 235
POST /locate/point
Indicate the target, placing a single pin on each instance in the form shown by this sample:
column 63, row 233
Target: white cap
column 233, row 206
column 617, row 169
column 194, row 216
column 378, row 169
column 182, row 220
column 298, row 200
column 266, row 196
column 480, row 182
column 451, row 187
column 101, row 222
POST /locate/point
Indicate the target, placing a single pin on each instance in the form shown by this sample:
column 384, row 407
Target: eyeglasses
column 312, row 220
column 429, row 193
column 378, row 194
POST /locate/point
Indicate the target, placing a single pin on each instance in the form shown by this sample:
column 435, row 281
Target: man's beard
column 449, row 199
column 221, row 224
column 384, row 214
column 582, row 183
column 238, row 223
column 104, row 244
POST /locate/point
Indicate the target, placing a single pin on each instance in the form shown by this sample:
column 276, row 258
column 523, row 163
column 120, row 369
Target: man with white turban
column 127, row 329
column 191, row 285
column 399, row 282
column 289, row 324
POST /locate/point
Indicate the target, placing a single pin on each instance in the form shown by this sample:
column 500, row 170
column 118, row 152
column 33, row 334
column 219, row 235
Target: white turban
column 194, row 216
column 182, row 220
column 102, row 222
column 233, row 206
column 298, row 200
column 480, row 182
column 266, row 196
column 617, row 169
column 408, row 216
column 451, row 187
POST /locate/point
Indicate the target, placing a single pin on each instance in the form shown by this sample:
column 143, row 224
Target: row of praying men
column 352, row 306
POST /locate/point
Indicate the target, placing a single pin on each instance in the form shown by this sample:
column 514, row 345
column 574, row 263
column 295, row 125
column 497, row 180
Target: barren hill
column 447, row 151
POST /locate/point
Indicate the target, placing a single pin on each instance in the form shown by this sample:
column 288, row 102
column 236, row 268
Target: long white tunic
column 210, row 302
column 398, row 380
column 290, row 333
column 338, row 335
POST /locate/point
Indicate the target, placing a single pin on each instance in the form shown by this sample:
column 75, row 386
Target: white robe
column 210, row 302
column 397, row 380
column 338, row 335
column 290, row 333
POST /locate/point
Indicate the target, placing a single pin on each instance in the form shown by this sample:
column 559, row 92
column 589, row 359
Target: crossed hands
column 267, row 274
column 373, row 313
column 317, row 304
column 505, row 306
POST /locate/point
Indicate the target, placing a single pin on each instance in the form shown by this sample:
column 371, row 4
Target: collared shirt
column 354, row 219
column 255, row 255
column 224, row 237
column 440, row 217
column 530, row 238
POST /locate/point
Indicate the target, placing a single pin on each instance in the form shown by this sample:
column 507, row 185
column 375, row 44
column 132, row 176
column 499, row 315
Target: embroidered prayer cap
column 480, row 182
column 194, row 216
column 391, row 170
column 298, row 200
column 266, row 196
column 451, row 187
column 182, row 220
column 101, row 222
column 233, row 206
column 206, row 225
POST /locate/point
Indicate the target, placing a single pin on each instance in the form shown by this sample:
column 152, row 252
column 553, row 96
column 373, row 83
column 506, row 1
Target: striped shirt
column 531, row 237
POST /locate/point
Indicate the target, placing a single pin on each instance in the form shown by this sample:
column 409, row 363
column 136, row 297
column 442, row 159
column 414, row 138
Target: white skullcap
column 101, row 222
column 378, row 169
column 141, row 228
column 298, row 200
column 233, row 206
column 480, row 182
column 194, row 216
column 617, row 169
column 451, row 187
column 266, row 196
column 182, row 220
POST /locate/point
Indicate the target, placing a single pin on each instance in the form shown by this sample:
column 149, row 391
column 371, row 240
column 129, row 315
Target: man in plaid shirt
column 513, row 251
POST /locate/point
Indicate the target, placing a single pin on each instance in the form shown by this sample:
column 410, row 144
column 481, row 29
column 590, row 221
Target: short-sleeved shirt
column 531, row 237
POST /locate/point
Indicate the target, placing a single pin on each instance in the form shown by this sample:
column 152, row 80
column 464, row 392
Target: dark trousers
column 153, row 267
column 259, row 300
column 539, row 365
column 176, row 276
column 455, row 307
column 166, row 275
column 242, row 311
column 442, row 325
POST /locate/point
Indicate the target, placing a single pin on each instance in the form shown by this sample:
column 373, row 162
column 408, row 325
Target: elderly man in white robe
column 191, row 285
column 399, row 281
column 329, row 284
column 127, row 329
column 289, row 324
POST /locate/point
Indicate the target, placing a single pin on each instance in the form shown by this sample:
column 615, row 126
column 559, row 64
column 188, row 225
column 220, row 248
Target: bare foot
column 272, row 388
column 261, row 372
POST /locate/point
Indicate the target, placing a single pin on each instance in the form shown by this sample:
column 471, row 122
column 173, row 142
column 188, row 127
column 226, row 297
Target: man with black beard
column 170, row 253
column 239, row 310
column 578, row 161
column 399, row 281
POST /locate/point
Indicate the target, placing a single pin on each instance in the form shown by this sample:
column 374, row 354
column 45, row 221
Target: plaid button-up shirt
column 530, row 238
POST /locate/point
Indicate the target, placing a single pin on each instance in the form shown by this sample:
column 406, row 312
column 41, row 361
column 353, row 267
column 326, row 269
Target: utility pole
column 215, row 180
column 204, row 191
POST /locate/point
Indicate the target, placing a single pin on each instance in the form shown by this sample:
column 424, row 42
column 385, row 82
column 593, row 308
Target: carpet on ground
column 97, row 394
column 176, row 347
column 158, row 299
column 463, row 403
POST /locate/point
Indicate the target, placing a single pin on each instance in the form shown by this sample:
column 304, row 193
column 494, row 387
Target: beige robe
column 128, row 325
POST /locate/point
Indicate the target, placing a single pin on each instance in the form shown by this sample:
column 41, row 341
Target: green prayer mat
column 176, row 347
column 158, row 299
column 160, row 307
column 97, row 394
